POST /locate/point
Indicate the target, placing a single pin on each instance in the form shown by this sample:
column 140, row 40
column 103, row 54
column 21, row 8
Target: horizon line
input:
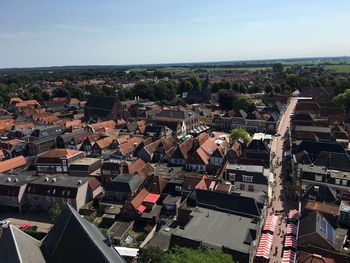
column 252, row 61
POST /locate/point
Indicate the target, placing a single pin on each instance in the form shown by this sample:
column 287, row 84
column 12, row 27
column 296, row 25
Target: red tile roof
column 13, row 163
column 152, row 198
column 94, row 183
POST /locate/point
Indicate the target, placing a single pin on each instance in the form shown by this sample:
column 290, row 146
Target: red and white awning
column 264, row 246
column 290, row 241
column 291, row 229
column 293, row 214
column 270, row 224
column 288, row 256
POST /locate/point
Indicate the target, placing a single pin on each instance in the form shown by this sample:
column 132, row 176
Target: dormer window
column 247, row 178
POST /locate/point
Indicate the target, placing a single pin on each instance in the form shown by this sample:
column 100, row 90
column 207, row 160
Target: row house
column 56, row 160
column 72, row 140
column 158, row 151
column 249, row 178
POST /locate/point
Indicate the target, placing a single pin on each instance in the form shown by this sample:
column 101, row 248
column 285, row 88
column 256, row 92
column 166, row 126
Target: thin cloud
column 15, row 35
column 80, row 28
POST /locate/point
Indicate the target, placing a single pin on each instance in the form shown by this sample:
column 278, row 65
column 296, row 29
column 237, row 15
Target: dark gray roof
column 258, row 145
column 100, row 102
column 336, row 161
column 320, row 193
column 315, row 148
column 17, row 246
column 73, row 239
column 231, row 203
column 126, row 183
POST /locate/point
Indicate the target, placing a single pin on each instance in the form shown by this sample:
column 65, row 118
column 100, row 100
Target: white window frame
column 247, row 178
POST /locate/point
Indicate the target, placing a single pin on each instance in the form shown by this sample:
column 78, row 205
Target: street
column 279, row 206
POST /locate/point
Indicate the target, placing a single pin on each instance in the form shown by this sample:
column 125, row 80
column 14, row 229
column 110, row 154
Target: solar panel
column 327, row 229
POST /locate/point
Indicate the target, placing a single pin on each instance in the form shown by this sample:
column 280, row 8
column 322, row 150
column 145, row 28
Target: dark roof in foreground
column 17, row 246
column 74, row 239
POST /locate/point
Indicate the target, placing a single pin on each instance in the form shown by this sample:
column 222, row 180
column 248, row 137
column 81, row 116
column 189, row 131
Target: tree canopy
column 183, row 255
column 240, row 133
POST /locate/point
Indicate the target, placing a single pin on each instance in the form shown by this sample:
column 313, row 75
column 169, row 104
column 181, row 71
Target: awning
column 291, row 229
column 290, row 242
column 288, row 256
column 264, row 246
column 293, row 214
column 141, row 208
column 270, row 224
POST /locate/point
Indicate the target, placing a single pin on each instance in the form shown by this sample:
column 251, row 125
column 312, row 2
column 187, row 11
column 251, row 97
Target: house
column 157, row 131
column 158, row 151
column 183, row 150
column 48, row 190
column 84, row 166
column 251, row 178
column 181, row 122
column 13, row 147
column 127, row 149
column 122, row 188
column 326, row 164
column 37, row 146
column 89, row 141
column 12, row 189
column 102, row 108
column 72, row 140
column 59, row 245
column 315, row 230
column 257, row 150
column 214, row 220
column 47, row 131
column 105, row 126
column 304, row 257
column 56, row 160
column 101, row 146
column 12, row 163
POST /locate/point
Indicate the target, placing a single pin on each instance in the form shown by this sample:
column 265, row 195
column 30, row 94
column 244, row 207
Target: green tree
column 343, row 100
column 185, row 86
column 240, row 133
column 55, row 212
column 277, row 68
column 188, row 255
column 61, row 92
column 242, row 102
column 152, row 255
column 269, row 90
column 196, row 82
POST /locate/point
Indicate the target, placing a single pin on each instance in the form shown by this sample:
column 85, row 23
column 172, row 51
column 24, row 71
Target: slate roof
column 17, row 246
column 126, row 183
column 320, row 193
column 232, row 203
column 315, row 148
column 100, row 102
column 335, row 161
column 73, row 239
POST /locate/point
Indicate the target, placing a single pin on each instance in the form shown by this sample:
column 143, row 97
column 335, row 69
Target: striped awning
column 270, row 224
column 290, row 242
column 264, row 246
column 288, row 256
column 291, row 229
column 293, row 214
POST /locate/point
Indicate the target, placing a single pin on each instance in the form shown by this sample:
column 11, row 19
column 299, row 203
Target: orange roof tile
column 13, row 163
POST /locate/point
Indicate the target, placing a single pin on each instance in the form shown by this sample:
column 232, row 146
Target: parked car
column 4, row 224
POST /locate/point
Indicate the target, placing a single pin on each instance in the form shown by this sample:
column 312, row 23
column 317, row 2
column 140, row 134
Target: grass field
column 338, row 68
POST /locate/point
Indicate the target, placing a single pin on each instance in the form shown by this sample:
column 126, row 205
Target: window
column 318, row 177
column 337, row 181
column 242, row 187
column 247, row 179
column 232, row 176
column 250, row 188
column 344, row 182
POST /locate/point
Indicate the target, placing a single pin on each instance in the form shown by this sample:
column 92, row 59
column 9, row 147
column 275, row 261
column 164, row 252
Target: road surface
column 277, row 199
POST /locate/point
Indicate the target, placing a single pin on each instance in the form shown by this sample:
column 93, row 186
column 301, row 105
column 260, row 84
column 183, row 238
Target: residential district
column 102, row 179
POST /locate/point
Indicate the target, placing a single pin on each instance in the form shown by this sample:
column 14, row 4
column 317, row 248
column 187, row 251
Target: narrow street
column 280, row 206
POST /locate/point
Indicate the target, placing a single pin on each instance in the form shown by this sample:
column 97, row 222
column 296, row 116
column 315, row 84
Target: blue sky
column 113, row 32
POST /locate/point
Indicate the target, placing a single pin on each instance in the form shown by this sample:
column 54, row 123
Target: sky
column 121, row 32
